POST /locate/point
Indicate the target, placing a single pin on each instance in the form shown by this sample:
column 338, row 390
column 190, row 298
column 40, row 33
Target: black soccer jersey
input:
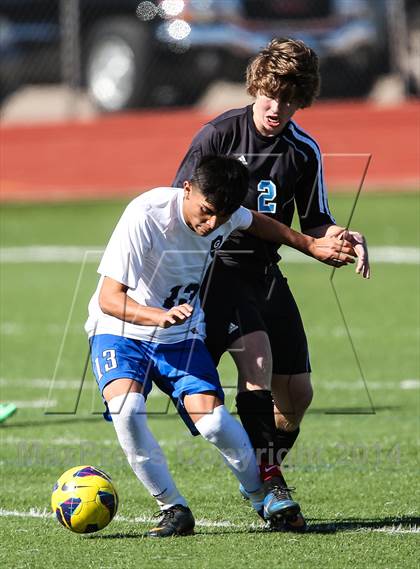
column 284, row 170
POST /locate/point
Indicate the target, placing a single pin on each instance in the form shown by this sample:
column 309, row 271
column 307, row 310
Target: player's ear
column 187, row 189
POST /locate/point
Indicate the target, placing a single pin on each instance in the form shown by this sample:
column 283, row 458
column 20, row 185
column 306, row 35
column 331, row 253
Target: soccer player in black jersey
column 249, row 307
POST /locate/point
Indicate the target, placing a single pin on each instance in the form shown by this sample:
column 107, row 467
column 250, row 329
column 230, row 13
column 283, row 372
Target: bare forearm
column 279, row 233
column 125, row 308
column 330, row 250
column 323, row 231
column 330, row 230
column 113, row 300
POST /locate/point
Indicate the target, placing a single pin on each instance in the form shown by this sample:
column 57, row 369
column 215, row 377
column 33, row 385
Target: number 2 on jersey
column 268, row 193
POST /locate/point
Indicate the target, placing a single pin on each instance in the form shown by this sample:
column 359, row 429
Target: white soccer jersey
column 162, row 261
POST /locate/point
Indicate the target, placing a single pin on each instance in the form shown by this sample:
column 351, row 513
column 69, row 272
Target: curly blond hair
column 286, row 69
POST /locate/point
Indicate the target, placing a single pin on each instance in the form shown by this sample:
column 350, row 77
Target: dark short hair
column 223, row 181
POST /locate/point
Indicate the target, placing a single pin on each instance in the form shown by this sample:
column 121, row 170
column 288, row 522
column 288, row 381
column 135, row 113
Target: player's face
column 271, row 115
column 199, row 214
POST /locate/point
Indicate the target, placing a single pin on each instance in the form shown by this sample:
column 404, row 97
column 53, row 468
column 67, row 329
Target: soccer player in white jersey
column 145, row 323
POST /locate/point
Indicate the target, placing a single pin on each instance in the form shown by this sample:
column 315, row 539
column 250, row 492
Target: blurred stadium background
column 114, row 89
column 129, row 54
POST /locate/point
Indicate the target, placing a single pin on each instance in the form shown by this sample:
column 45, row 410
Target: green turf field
column 355, row 466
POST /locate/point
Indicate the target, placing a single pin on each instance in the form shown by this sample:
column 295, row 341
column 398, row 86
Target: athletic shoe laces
column 167, row 514
column 164, row 514
column 282, row 492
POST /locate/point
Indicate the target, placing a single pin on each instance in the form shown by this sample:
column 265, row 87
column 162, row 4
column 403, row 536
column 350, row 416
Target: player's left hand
column 360, row 246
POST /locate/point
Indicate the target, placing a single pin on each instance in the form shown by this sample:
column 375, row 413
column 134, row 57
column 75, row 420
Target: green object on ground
column 6, row 411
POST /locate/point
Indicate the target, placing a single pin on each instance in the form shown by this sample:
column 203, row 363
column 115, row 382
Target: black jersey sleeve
column 205, row 142
column 311, row 192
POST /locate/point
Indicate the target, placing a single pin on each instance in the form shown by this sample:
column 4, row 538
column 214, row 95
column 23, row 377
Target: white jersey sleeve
column 241, row 218
column 128, row 246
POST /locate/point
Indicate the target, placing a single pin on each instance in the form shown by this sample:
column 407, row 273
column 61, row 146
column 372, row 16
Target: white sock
column 230, row 438
column 143, row 452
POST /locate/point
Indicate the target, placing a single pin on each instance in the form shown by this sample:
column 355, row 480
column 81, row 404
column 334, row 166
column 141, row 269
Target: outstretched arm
column 113, row 300
column 336, row 251
column 357, row 240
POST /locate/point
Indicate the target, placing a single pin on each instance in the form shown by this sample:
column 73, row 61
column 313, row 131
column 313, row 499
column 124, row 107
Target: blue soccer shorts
column 179, row 369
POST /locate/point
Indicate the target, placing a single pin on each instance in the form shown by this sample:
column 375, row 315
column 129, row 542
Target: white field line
column 357, row 384
column 36, row 513
column 41, row 383
column 410, row 384
column 70, row 254
column 344, row 385
column 63, row 441
column 46, row 514
column 49, row 254
column 34, row 403
column 399, row 529
column 72, row 441
column 19, row 329
column 61, row 385
column 59, row 441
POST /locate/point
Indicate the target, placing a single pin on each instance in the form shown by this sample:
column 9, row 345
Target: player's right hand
column 175, row 316
column 333, row 251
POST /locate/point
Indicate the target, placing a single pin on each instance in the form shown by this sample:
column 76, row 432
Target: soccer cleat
column 6, row 411
column 176, row 520
column 295, row 524
column 278, row 501
column 256, row 499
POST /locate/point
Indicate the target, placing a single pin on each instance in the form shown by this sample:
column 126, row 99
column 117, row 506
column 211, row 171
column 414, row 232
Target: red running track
column 125, row 154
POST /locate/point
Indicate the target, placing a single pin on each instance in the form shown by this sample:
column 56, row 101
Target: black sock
column 283, row 442
column 255, row 408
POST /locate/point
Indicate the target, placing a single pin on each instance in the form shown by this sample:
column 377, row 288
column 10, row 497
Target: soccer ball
column 84, row 499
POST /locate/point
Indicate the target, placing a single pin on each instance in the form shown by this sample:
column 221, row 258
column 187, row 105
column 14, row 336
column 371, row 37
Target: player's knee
column 230, row 438
column 128, row 413
column 220, row 427
column 127, row 406
column 129, row 417
column 213, row 424
column 304, row 398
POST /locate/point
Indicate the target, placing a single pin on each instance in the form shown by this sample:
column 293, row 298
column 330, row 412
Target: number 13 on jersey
column 267, row 193
column 110, row 362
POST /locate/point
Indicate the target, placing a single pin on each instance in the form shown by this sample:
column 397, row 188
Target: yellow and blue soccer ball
column 84, row 499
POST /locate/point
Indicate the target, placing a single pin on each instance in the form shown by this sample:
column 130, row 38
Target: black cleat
column 176, row 520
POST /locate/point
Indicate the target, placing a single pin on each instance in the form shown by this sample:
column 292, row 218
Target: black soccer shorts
column 237, row 303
